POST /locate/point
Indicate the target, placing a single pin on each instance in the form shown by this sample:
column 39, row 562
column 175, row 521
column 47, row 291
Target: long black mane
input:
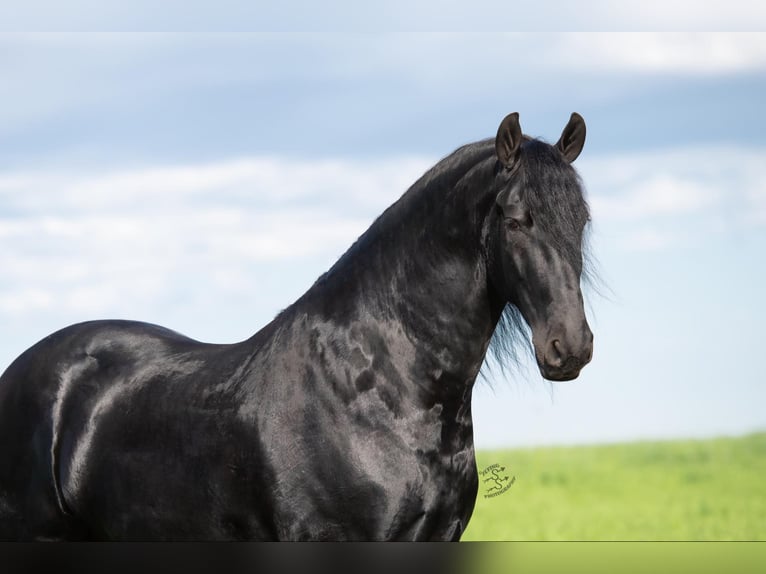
column 555, row 196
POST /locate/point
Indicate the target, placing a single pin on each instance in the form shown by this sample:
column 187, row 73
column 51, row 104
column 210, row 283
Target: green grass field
column 677, row 490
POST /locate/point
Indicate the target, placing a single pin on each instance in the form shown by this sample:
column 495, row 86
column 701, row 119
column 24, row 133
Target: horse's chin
column 559, row 377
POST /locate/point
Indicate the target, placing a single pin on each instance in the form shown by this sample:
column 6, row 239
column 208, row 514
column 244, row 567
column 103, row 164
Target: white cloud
column 656, row 196
column 695, row 181
column 756, row 197
column 675, row 197
column 85, row 242
column 254, row 180
column 669, row 53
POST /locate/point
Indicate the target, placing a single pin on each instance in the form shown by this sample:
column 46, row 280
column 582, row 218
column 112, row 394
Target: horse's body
column 347, row 417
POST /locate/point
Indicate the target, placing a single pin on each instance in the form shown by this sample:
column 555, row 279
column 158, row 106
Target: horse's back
column 80, row 396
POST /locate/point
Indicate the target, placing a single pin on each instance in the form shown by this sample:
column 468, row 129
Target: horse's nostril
column 555, row 355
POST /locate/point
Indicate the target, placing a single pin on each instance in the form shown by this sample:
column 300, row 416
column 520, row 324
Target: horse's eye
column 513, row 224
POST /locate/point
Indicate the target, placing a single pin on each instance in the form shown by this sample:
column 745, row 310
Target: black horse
column 348, row 417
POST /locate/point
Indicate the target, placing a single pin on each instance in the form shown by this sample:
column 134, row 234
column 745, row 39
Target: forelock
column 553, row 193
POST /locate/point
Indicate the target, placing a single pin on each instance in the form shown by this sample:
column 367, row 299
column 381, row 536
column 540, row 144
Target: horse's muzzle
column 562, row 363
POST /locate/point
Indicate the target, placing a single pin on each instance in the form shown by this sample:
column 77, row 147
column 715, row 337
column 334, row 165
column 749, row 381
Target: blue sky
column 203, row 181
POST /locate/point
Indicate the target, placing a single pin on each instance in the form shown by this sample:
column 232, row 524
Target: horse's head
column 537, row 248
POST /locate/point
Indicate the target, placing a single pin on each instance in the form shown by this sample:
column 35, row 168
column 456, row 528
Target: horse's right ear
column 508, row 140
column 572, row 138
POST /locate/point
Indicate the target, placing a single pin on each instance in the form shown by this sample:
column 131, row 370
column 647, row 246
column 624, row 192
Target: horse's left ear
column 572, row 138
column 508, row 140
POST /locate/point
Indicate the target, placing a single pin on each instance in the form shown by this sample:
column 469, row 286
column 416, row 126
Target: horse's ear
column 572, row 138
column 508, row 140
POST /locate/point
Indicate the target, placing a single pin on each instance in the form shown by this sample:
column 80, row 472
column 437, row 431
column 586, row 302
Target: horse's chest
column 375, row 486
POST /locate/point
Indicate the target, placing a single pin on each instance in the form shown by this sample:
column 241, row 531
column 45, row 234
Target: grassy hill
column 676, row 490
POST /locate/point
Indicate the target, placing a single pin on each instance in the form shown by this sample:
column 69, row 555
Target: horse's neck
column 440, row 302
column 416, row 287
